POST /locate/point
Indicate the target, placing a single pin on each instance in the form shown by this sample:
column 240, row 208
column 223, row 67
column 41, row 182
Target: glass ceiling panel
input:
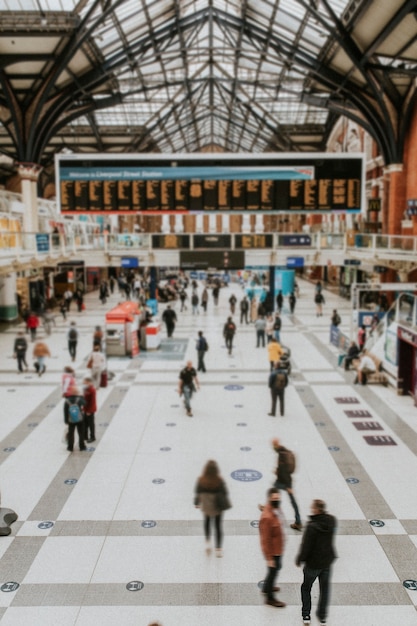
column 180, row 76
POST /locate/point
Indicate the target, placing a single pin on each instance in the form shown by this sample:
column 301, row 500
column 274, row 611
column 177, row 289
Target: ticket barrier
column 122, row 324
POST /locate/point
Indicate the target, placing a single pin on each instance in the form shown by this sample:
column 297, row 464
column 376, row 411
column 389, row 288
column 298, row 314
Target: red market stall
column 122, row 324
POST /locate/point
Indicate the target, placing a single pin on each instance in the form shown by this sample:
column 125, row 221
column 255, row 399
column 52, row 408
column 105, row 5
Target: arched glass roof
column 195, row 75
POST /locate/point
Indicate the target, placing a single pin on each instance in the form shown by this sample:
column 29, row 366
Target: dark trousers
column 294, row 504
column 201, row 367
column 21, row 361
column 271, row 575
column 277, row 393
column 217, row 526
column 80, row 429
column 72, row 348
column 260, row 336
column 229, row 343
column 244, row 317
column 170, row 329
column 90, row 426
column 310, row 576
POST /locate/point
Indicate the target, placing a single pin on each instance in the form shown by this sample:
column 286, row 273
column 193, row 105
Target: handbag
column 222, row 501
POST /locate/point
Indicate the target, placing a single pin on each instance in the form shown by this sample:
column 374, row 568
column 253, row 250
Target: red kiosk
column 122, row 324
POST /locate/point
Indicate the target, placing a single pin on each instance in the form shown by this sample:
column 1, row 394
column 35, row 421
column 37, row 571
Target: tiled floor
column 111, row 537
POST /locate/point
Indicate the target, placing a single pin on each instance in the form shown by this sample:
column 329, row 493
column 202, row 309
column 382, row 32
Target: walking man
column 202, row 347
column 277, row 326
column 260, row 326
column 285, row 469
column 187, row 384
column 232, row 302
column 72, row 337
column 169, row 317
column 271, row 531
column 317, row 553
column 19, row 351
column 229, row 330
column 278, row 381
column 244, row 309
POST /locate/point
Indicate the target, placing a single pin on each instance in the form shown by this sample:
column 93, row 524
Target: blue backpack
column 75, row 416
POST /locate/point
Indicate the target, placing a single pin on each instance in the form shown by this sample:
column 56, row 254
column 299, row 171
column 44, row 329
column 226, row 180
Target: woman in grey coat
column 212, row 497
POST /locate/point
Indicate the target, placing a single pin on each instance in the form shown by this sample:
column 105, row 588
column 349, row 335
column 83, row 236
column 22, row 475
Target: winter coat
column 317, row 550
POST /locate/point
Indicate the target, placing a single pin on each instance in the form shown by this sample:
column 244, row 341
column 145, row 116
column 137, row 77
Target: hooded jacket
column 317, row 550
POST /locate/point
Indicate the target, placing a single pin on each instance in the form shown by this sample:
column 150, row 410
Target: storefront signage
column 407, row 335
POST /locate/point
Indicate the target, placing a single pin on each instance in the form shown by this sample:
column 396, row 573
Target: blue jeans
column 310, row 576
column 270, row 578
column 279, row 485
column 188, row 392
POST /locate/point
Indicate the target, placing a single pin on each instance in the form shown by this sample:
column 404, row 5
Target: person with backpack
column 202, row 348
column 74, row 417
column 284, row 472
column 229, row 330
column 277, row 382
column 72, row 337
column 183, row 297
column 319, row 300
column 335, row 318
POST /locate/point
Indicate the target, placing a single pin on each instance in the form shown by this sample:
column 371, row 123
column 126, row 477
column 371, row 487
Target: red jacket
column 271, row 533
column 90, row 400
column 32, row 321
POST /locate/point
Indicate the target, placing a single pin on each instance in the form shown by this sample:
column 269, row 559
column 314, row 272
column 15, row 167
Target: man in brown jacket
column 40, row 352
column 271, row 531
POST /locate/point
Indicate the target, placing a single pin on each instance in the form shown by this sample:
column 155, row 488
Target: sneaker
column 219, row 553
column 322, row 621
column 307, row 620
column 296, row 526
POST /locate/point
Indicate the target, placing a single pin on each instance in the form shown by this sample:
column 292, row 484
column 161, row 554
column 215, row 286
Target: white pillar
column 8, row 304
column 246, row 223
column 166, row 227
column 259, row 224
column 29, row 173
column 225, row 224
column 179, row 224
column 212, row 223
column 199, row 223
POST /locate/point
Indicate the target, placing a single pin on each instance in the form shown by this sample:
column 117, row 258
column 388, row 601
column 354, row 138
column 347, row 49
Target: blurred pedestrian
column 317, row 552
column 90, row 408
column 72, row 338
column 212, row 497
column 187, row 384
column 74, row 417
column 19, row 351
column 271, row 532
column 40, row 352
column 32, row 323
column 97, row 364
column 229, row 330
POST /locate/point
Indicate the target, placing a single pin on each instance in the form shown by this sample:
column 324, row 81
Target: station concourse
column 110, row 536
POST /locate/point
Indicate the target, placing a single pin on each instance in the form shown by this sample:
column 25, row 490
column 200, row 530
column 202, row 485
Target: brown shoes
column 275, row 603
column 296, row 526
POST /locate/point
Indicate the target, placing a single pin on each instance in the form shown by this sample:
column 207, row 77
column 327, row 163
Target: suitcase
column 103, row 379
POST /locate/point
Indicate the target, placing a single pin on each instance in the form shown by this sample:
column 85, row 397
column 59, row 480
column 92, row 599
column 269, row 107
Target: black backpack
column 72, row 334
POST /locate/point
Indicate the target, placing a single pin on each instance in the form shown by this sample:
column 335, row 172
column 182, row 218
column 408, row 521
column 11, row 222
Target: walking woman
column 212, row 497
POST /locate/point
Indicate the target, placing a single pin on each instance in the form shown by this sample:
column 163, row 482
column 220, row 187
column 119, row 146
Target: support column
column 246, row 227
column 225, row 224
column 166, row 227
column 199, row 223
column 8, row 303
column 29, row 173
column 396, row 197
column 212, row 224
column 259, row 224
column 179, row 224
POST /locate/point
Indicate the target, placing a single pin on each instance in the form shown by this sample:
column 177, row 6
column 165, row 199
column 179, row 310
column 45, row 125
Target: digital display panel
column 200, row 183
column 212, row 259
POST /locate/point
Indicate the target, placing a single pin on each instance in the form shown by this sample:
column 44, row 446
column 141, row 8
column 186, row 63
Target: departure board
column 200, row 183
column 213, row 259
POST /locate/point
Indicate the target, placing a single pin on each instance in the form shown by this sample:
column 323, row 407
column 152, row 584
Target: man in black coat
column 169, row 317
column 317, row 553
